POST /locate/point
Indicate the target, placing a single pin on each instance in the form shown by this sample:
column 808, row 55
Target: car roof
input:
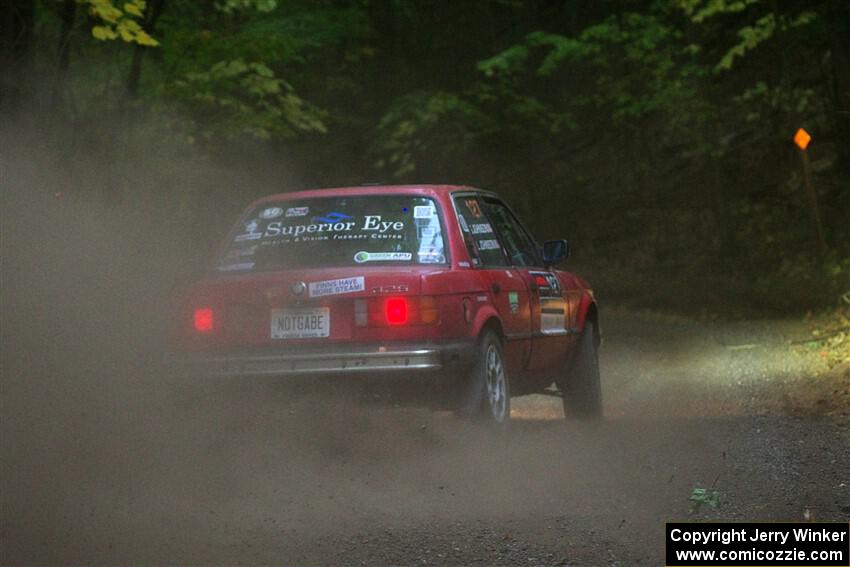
column 426, row 190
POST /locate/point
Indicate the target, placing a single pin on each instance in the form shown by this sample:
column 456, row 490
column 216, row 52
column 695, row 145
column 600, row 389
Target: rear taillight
column 204, row 320
column 396, row 311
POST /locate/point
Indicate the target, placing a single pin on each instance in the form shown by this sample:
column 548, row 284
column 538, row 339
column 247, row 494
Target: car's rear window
column 337, row 231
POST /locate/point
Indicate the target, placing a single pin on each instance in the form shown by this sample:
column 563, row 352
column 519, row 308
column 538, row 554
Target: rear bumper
column 333, row 359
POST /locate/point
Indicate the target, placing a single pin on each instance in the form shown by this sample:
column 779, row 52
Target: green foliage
column 247, row 98
column 511, row 60
column 231, row 6
column 655, row 135
column 700, row 496
column 636, row 64
column 119, row 23
column 700, row 10
column 433, row 124
column 761, row 31
column 235, row 69
column 561, row 49
column 750, row 36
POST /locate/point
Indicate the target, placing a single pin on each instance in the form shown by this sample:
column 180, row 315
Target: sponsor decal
column 297, row 211
column 251, row 232
column 549, row 284
column 374, row 222
column 371, row 223
column 513, row 301
column 271, row 213
column 488, row 244
column 484, row 228
column 463, row 225
column 424, row 212
column 277, row 228
column 426, row 232
column 363, row 256
column 337, row 287
column 241, row 252
column 333, row 217
column 463, row 264
column 481, row 298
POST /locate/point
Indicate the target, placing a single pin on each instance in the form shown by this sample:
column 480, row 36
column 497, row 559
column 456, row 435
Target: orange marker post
column 802, row 139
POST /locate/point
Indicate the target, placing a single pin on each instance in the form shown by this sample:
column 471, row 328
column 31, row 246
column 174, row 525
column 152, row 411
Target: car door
column 548, row 308
column 507, row 289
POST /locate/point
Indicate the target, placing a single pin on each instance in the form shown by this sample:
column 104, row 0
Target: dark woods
column 657, row 137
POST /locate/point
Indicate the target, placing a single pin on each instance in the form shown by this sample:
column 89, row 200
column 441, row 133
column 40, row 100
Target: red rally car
column 426, row 283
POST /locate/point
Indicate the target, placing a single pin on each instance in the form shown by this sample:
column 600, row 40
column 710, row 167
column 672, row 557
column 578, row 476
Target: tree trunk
column 15, row 53
column 840, row 57
column 152, row 14
column 67, row 15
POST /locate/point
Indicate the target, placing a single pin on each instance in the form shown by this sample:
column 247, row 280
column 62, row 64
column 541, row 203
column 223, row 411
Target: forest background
column 655, row 136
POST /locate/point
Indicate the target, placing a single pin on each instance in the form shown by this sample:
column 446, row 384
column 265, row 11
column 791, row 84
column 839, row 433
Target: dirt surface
column 132, row 468
column 108, row 458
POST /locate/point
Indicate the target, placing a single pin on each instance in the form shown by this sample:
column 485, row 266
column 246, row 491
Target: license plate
column 301, row 323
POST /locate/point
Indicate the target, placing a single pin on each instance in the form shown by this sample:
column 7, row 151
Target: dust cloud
column 110, row 456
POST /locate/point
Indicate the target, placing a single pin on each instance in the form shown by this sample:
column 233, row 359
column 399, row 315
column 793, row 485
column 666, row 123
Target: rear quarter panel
column 579, row 297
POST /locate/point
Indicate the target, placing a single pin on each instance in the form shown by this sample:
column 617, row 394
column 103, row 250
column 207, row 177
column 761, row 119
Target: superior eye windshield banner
column 804, row 544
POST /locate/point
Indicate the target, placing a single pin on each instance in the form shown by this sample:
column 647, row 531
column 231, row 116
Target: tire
column 487, row 394
column 581, row 387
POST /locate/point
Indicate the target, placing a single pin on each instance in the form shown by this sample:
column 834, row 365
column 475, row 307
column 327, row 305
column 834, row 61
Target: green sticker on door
column 513, row 300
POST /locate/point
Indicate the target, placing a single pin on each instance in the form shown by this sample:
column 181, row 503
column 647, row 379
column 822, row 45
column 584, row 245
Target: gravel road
column 107, row 459
column 124, row 466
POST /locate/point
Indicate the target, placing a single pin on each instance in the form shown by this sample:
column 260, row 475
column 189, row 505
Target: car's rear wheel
column 487, row 395
column 581, row 387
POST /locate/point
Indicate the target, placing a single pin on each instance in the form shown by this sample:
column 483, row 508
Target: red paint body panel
column 467, row 298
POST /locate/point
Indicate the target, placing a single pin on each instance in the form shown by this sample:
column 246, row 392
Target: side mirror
column 555, row 251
